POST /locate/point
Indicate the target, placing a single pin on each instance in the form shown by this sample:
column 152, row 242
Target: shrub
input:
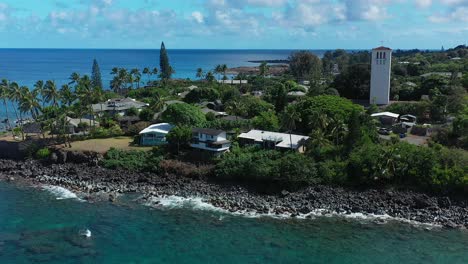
column 132, row 160
column 43, row 153
column 290, row 170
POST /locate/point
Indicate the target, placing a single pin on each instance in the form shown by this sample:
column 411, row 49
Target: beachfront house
column 274, row 140
column 155, row 135
column 211, row 140
column 118, row 106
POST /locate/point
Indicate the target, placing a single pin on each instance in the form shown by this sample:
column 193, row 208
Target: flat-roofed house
column 274, row 140
column 211, row 140
column 155, row 135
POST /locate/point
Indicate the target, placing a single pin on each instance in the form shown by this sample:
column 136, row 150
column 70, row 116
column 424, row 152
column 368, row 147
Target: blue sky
column 228, row 24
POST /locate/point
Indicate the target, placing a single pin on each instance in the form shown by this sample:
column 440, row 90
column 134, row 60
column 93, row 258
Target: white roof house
column 155, row 135
column 163, row 128
column 386, row 114
column 280, row 140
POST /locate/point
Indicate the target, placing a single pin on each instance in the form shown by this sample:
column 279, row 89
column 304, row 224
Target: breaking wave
column 60, row 193
column 197, row 203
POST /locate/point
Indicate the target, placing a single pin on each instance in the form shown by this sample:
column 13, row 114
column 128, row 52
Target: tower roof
column 382, row 48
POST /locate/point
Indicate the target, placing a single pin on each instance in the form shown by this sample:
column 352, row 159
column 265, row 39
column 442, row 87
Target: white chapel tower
column 380, row 76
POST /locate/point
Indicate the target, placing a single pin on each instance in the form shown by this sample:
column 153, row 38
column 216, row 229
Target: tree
column 263, row 69
column 146, row 114
column 200, row 94
column 278, row 95
column 50, row 93
column 183, row 114
column 148, row 73
column 96, row 75
column 74, row 78
column 67, row 96
column 318, row 110
column 354, row 131
column 200, row 73
column 224, row 69
column 354, row 83
column 39, row 88
column 166, row 69
column 29, row 102
column 218, row 69
column 288, row 121
column 4, row 88
column 210, row 77
column 136, row 76
column 304, row 65
column 266, row 121
column 179, row 136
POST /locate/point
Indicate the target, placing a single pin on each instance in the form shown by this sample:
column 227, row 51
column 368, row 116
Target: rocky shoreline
column 95, row 181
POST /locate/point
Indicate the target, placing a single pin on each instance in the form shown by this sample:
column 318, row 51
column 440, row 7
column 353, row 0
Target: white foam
column 60, row 192
column 85, row 233
column 197, row 203
column 172, row 202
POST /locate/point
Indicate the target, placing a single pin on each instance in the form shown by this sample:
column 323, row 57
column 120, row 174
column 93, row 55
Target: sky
column 233, row 24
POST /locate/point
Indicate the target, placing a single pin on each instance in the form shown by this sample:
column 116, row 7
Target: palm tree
column 218, row 69
column 155, row 71
column 74, row 78
column 67, row 96
column 14, row 94
column 29, row 103
column 136, row 76
column 224, row 69
column 51, row 93
column 39, row 89
column 290, row 116
column 264, row 68
column 4, row 88
column 200, row 73
column 148, row 73
column 210, row 77
column 86, row 93
column 237, row 108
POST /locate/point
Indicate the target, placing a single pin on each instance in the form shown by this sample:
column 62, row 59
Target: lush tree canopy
column 184, row 115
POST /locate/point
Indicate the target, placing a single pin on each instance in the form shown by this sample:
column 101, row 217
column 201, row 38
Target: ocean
column 46, row 225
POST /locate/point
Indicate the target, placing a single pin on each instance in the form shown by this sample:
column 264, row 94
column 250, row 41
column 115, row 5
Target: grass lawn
column 103, row 145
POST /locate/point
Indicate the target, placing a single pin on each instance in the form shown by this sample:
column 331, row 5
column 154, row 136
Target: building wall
column 153, row 139
column 204, row 139
column 380, row 77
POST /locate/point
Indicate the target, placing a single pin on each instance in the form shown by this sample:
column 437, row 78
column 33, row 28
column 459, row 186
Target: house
column 126, row 121
column 297, row 94
column 118, row 106
column 392, row 119
column 274, row 140
column 386, row 118
column 211, row 140
column 155, row 135
column 443, row 74
column 79, row 125
column 233, row 82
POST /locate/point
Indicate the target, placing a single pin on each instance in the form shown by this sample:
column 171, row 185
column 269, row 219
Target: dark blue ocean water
column 26, row 66
column 35, row 227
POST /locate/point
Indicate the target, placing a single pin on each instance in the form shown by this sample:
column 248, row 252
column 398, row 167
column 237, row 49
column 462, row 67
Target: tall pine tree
column 165, row 68
column 96, row 75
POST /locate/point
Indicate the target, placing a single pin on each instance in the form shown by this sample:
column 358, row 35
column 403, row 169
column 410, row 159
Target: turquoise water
column 35, row 227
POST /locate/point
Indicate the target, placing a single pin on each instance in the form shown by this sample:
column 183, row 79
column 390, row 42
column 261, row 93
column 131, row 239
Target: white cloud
column 458, row 14
column 423, row 3
column 198, row 17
